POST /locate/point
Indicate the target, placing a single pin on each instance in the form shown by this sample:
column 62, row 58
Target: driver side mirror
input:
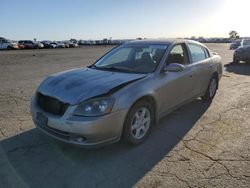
column 173, row 67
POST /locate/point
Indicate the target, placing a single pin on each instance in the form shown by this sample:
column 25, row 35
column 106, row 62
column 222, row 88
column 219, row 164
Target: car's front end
column 241, row 54
column 74, row 124
column 14, row 45
column 78, row 107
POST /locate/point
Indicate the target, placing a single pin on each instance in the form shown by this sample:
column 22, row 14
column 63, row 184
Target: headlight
column 95, row 107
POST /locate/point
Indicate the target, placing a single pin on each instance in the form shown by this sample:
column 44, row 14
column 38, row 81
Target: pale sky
column 98, row 19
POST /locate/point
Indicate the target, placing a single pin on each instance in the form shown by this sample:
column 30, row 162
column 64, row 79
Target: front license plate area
column 41, row 119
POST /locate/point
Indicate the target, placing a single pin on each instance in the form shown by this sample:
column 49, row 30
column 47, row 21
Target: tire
column 134, row 130
column 211, row 90
column 9, row 48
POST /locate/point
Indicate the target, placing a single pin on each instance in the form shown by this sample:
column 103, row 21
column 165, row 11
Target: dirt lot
column 199, row 145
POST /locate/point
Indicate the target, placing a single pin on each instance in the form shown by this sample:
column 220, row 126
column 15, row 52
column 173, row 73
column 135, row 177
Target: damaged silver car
column 125, row 92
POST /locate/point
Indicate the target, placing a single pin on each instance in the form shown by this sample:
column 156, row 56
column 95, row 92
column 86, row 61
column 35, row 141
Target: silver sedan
column 125, row 92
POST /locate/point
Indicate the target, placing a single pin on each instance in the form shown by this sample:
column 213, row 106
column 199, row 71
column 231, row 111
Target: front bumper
column 87, row 132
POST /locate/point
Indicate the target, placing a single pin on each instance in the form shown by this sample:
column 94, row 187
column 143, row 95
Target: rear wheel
column 9, row 47
column 138, row 123
column 211, row 90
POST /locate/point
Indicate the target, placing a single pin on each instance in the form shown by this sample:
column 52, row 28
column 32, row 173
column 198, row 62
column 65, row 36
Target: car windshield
column 141, row 58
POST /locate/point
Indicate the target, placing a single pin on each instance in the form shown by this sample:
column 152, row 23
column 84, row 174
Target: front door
column 176, row 87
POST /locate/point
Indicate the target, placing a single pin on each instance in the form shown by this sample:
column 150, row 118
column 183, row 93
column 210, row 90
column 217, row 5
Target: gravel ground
column 198, row 145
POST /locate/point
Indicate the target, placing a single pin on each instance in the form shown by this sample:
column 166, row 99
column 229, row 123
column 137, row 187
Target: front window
column 177, row 55
column 134, row 58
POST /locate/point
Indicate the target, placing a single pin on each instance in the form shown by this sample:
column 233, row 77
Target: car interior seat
column 175, row 58
column 147, row 57
column 158, row 55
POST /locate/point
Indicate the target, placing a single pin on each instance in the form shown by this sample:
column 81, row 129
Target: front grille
column 51, row 105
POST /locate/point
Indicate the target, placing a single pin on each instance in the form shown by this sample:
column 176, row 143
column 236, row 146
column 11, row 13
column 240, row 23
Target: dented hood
column 77, row 85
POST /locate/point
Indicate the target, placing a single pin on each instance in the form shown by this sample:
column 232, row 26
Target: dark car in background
column 47, row 44
column 242, row 53
column 26, row 44
column 234, row 45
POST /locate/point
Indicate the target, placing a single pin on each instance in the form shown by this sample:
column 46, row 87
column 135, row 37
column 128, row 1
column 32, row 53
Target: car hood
column 242, row 48
column 77, row 85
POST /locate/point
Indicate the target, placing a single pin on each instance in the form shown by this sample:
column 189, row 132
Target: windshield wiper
column 116, row 69
column 92, row 66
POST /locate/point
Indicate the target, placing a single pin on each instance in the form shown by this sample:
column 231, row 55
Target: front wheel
column 211, row 90
column 138, row 123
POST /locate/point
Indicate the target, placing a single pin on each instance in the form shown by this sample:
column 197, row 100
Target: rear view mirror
column 174, row 67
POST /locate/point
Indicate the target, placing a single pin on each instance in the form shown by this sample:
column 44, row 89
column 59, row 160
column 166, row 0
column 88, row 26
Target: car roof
column 25, row 41
column 162, row 41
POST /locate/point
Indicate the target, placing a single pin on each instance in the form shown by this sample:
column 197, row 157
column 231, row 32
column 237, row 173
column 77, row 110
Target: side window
column 197, row 52
column 177, row 55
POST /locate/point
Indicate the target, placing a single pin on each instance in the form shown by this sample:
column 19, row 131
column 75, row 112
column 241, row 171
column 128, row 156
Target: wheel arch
column 149, row 98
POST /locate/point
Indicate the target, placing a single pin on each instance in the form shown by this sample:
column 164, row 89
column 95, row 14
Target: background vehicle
column 39, row 45
column 58, row 44
column 7, row 44
column 81, row 42
column 234, row 45
column 125, row 92
column 47, row 44
column 26, row 44
column 243, row 52
column 71, row 44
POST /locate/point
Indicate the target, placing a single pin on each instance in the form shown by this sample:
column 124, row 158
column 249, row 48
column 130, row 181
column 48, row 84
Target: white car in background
column 7, row 44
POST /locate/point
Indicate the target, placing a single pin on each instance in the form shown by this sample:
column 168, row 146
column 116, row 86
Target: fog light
column 77, row 138
column 80, row 139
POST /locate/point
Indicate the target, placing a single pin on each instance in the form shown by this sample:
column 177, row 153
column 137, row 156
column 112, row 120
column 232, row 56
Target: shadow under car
column 31, row 159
